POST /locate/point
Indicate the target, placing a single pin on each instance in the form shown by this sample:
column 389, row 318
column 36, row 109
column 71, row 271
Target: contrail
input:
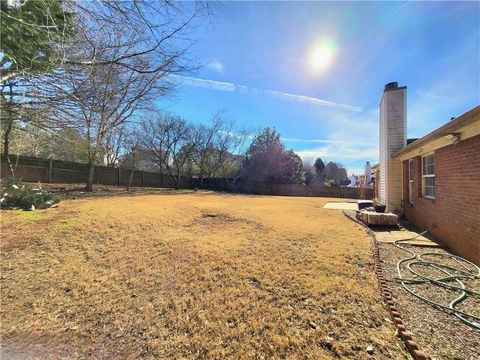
column 231, row 87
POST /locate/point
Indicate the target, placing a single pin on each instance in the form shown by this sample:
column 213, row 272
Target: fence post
column 50, row 170
column 143, row 178
column 118, row 176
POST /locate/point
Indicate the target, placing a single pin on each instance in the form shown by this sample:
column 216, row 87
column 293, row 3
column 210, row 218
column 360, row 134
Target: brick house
column 434, row 180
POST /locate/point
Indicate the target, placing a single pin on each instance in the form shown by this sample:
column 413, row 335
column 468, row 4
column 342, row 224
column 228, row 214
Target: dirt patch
column 160, row 277
column 221, row 219
column 213, row 218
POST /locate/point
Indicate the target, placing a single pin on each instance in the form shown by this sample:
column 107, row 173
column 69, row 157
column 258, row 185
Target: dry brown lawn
column 196, row 276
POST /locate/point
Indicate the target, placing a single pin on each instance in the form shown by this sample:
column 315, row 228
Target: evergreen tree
column 31, row 33
column 319, row 166
column 267, row 161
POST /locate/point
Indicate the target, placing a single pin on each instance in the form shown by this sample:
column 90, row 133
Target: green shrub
column 331, row 183
column 18, row 195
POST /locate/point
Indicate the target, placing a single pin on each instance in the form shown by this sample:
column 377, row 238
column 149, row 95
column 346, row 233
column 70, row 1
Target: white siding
column 393, row 129
column 383, row 153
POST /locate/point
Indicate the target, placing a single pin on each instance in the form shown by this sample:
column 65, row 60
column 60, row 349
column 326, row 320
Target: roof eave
column 464, row 119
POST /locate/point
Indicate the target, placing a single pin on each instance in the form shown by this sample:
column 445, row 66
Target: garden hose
column 451, row 281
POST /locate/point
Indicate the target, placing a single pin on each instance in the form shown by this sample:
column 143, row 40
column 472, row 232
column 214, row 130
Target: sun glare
column 322, row 55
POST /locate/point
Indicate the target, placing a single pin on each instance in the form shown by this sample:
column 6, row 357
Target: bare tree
column 147, row 36
column 130, row 144
column 135, row 46
column 127, row 33
column 172, row 142
column 123, row 57
column 232, row 168
column 206, row 154
column 228, row 159
column 218, row 149
column 103, row 99
column 116, row 143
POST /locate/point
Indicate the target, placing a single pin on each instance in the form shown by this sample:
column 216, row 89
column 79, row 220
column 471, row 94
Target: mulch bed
column 438, row 334
column 64, row 190
column 77, row 190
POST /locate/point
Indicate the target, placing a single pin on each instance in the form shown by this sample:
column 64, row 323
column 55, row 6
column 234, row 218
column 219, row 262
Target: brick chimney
column 393, row 137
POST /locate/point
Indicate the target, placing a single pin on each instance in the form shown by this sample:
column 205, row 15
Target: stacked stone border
column 395, row 315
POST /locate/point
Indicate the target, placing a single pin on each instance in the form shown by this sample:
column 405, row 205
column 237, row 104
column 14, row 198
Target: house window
column 428, row 176
column 410, row 182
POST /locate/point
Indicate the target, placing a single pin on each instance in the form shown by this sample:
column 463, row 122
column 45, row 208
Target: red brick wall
column 456, row 208
column 405, row 183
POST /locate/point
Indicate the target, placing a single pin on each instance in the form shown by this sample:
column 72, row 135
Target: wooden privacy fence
column 311, row 190
column 285, row 189
column 56, row 171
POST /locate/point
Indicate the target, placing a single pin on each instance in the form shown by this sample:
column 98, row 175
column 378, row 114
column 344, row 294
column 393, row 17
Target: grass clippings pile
column 191, row 276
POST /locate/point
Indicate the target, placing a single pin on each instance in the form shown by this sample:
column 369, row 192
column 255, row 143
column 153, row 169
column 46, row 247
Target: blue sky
column 257, row 68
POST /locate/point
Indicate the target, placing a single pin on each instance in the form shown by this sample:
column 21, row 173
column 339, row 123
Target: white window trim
column 410, row 182
column 428, row 175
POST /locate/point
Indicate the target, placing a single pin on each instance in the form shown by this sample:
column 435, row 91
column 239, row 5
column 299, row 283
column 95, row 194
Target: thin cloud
column 216, row 65
column 339, row 153
column 231, row 87
column 204, row 83
column 312, row 100
column 351, row 140
column 326, row 141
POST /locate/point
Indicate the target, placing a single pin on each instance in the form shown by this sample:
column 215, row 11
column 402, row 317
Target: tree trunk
column 177, row 181
column 9, row 116
column 6, row 141
column 234, row 184
column 130, row 179
column 91, row 173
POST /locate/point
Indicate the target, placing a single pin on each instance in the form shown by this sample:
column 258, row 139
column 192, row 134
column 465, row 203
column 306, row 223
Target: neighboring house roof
column 375, row 166
column 450, row 127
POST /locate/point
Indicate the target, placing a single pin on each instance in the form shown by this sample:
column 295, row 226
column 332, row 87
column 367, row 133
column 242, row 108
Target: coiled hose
column 451, row 281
